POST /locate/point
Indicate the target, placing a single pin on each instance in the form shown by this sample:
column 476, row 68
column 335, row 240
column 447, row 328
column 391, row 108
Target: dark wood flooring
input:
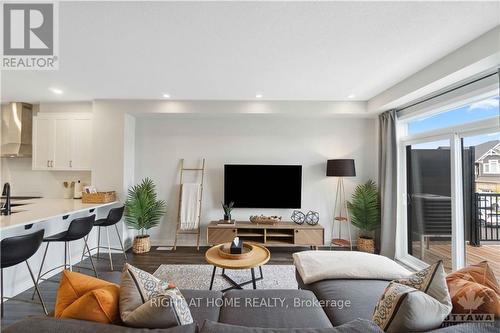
column 15, row 309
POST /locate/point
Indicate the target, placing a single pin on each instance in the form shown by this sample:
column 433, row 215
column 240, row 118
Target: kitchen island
column 53, row 216
column 31, row 211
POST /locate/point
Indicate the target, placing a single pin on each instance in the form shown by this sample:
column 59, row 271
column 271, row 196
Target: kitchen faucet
column 6, row 206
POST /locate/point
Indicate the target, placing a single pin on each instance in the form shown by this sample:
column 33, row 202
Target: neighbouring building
column 487, row 158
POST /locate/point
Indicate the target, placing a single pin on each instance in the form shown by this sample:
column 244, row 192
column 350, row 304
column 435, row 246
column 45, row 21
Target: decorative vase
column 227, row 218
column 142, row 244
column 366, row 244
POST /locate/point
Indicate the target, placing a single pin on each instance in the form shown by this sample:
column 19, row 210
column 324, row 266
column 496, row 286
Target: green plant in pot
column 143, row 211
column 364, row 211
column 227, row 210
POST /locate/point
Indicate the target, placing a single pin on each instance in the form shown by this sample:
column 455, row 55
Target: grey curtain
column 388, row 182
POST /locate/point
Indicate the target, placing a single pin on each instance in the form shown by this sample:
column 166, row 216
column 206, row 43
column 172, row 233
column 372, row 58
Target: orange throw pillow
column 474, row 289
column 87, row 298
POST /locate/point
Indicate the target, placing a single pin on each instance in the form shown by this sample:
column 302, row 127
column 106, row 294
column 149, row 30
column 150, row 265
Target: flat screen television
column 263, row 186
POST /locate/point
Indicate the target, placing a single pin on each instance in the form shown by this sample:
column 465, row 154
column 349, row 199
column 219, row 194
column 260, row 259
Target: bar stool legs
column 36, row 288
column 121, row 243
column 90, row 257
column 109, row 249
column 108, row 246
column 1, row 293
column 41, row 267
column 67, row 262
column 98, row 240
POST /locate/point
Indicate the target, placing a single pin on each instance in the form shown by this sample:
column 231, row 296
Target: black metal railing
column 486, row 224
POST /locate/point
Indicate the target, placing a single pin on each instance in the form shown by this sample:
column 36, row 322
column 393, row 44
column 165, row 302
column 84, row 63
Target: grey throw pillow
column 148, row 302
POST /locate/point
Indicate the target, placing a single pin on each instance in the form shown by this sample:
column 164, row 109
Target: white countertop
column 39, row 210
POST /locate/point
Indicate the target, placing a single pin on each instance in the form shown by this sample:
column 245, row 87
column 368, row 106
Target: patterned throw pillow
column 146, row 301
column 418, row 303
column 474, row 289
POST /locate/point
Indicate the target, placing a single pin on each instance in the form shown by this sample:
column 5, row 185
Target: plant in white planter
column 364, row 210
column 142, row 212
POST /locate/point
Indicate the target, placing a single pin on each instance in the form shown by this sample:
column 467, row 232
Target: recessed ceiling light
column 258, row 95
column 351, row 96
column 166, row 95
column 56, row 91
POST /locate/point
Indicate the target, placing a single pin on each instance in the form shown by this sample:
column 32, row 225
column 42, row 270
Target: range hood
column 17, row 124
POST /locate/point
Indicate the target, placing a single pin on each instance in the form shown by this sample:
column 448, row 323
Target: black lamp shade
column 340, row 168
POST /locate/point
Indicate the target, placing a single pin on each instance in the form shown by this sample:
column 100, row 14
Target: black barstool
column 15, row 250
column 114, row 216
column 78, row 229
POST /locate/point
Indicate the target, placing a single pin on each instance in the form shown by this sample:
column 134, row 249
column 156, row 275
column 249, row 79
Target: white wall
column 162, row 140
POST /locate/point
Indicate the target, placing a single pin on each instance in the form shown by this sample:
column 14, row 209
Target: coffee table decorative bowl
column 253, row 256
column 225, row 251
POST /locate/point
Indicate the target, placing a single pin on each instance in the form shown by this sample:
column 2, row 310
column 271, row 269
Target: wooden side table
column 258, row 257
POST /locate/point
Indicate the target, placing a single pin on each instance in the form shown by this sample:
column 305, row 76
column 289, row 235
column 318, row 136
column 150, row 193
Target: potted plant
column 364, row 210
column 227, row 210
column 142, row 212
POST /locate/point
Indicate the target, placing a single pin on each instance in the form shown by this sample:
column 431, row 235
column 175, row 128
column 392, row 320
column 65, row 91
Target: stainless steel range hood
column 17, row 124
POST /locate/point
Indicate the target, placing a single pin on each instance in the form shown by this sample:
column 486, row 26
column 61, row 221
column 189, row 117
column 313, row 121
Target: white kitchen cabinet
column 62, row 141
column 43, row 150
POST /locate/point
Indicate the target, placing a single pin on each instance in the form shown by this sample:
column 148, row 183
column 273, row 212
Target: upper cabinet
column 62, row 141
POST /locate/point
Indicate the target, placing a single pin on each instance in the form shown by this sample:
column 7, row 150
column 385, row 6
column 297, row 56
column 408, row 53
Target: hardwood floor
column 441, row 250
column 15, row 309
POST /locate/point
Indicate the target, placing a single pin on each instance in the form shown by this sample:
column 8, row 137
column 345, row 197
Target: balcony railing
column 486, row 221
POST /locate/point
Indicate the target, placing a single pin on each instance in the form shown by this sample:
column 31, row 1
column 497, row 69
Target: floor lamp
column 340, row 168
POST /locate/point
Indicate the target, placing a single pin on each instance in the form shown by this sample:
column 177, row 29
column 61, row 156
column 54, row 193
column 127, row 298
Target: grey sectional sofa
column 262, row 311
column 363, row 295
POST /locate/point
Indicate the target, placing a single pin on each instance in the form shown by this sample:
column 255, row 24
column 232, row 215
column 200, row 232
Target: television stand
column 279, row 234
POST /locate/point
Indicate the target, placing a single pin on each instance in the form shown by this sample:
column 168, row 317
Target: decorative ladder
column 196, row 231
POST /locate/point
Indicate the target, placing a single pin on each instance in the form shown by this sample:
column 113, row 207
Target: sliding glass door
column 429, row 201
column 481, row 154
column 449, row 186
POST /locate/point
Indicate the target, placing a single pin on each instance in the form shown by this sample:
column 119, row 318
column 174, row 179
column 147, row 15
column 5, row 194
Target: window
column 484, row 109
column 491, row 167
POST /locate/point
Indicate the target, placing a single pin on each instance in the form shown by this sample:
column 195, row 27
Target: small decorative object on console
column 227, row 211
column 312, row 218
column 298, row 217
column 265, row 219
column 236, row 246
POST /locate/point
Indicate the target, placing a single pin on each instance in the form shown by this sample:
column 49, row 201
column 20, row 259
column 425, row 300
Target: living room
column 251, row 167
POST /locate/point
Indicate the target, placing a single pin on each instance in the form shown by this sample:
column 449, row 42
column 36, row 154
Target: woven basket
column 142, row 244
column 366, row 245
column 99, row 197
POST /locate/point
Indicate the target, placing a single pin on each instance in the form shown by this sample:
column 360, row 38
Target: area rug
column 198, row 276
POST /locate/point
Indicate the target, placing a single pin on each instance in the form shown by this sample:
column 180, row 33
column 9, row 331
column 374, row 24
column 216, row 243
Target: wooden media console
column 280, row 234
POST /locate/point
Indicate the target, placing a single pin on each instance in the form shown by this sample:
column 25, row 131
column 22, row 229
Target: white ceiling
column 231, row 51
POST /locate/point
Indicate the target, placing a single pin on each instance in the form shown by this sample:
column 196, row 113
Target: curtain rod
column 449, row 90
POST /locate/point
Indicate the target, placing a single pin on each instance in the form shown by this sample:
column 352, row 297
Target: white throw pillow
column 418, row 303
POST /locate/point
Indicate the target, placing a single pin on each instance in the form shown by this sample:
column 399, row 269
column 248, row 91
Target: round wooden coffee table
column 258, row 257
